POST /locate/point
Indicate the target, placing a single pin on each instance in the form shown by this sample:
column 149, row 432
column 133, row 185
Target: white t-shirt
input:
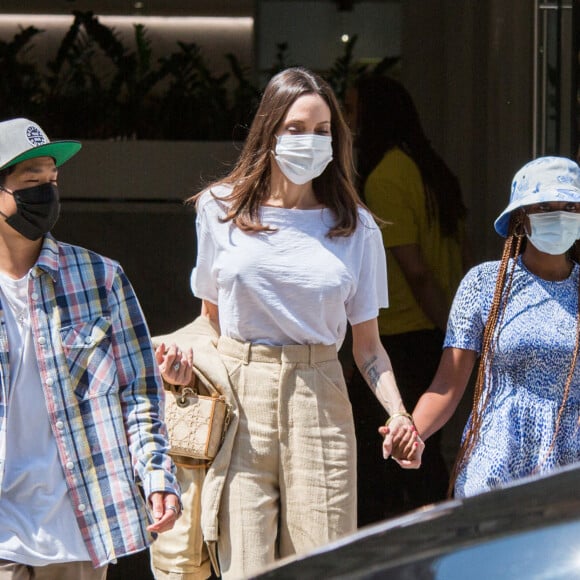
column 291, row 286
column 37, row 521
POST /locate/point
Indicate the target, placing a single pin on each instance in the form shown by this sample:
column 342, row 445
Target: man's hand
column 165, row 508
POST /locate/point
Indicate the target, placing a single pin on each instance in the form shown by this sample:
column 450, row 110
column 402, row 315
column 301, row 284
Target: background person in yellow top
column 407, row 184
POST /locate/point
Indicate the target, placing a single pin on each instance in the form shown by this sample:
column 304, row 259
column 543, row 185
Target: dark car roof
column 527, row 530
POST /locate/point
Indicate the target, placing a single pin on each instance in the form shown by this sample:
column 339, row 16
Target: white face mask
column 554, row 232
column 302, row 158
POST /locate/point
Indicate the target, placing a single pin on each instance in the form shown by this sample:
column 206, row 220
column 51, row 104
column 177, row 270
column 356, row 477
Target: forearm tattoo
column 372, row 376
column 371, row 373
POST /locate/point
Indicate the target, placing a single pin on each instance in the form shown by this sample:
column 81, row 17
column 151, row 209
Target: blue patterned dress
column 530, row 366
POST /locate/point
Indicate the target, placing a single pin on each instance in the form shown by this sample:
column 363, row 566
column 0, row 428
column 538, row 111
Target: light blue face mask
column 554, row 232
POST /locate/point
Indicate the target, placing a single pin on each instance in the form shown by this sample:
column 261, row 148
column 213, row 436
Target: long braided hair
column 513, row 247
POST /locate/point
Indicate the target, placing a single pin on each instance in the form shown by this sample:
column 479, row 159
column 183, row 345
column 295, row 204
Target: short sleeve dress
column 530, row 365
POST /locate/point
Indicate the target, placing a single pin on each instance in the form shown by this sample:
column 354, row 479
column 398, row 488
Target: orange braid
column 511, row 249
column 566, row 386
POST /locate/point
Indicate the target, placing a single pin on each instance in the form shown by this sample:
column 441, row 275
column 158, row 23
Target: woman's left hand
column 175, row 365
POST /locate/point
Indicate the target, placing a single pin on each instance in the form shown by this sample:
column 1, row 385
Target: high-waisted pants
column 291, row 484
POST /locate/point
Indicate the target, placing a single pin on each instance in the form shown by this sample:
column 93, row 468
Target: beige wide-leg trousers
column 291, row 485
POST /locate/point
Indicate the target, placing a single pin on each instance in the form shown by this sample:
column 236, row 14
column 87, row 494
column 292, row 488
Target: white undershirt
column 37, row 522
column 292, row 286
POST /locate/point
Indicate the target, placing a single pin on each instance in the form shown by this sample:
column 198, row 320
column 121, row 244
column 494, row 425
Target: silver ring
column 176, row 366
column 173, row 508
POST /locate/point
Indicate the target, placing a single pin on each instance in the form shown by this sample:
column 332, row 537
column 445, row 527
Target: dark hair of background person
column 387, row 118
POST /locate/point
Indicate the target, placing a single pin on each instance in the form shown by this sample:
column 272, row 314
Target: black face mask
column 37, row 210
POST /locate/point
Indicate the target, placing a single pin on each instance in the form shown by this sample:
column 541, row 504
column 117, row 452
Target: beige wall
column 125, row 200
column 145, row 170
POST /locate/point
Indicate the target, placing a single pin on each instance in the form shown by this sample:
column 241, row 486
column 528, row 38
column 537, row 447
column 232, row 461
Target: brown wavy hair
column 250, row 178
column 513, row 247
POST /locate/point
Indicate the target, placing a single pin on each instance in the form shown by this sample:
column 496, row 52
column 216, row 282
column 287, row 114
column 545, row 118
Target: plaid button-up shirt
column 103, row 394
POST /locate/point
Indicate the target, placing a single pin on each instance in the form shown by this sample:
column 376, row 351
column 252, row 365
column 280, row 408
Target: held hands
column 402, row 442
column 174, row 364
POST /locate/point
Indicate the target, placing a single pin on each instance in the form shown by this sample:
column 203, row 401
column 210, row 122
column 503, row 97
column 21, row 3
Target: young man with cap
column 82, row 440
column 521, row 316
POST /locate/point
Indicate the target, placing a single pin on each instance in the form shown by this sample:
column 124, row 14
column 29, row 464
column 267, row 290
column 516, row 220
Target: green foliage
column 245, row 98
column 196, row 101
column 282, row 59
column 344, row 72
column 97, row 88
column 20, row 80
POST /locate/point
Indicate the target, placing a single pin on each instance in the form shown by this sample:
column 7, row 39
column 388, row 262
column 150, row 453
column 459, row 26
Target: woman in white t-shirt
column 287, row 255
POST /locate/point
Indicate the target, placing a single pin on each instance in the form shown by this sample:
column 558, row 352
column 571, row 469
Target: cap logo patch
column 35, row 136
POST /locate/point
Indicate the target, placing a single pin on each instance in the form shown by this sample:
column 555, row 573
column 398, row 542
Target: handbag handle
column 199, row 379
column 205, row 382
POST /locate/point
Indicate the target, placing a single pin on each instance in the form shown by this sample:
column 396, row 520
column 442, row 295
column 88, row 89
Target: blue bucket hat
column 541, row 180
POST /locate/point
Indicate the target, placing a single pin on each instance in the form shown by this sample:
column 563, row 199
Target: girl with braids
column 521, row 315
column 408, row 185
